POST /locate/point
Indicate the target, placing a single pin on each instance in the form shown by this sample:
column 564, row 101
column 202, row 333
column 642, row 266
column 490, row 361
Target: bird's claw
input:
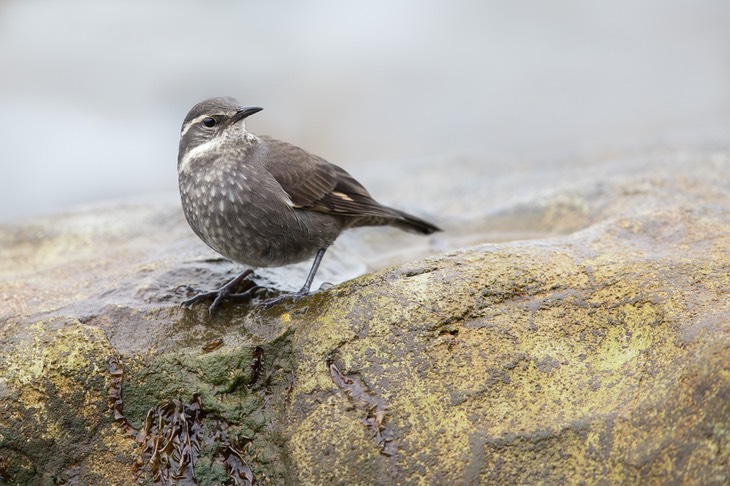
column 213, row 294
column 269, row 303
column 218, row 296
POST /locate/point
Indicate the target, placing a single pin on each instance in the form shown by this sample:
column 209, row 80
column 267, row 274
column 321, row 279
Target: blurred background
column 93, row 93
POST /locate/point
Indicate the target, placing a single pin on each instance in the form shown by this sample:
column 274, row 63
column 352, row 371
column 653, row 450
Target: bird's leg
column 222, row 294
column 307, row 283
column 312, row 272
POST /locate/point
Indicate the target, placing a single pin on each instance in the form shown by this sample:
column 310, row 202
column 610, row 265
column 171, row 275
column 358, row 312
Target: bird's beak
column 244, row 112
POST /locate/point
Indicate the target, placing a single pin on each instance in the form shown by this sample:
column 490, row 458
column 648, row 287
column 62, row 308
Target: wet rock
column 599, row 351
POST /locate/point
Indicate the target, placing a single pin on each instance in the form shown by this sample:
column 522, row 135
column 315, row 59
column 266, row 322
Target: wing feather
column 314, row 184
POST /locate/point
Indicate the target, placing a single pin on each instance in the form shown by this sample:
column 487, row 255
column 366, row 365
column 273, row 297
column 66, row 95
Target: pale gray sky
column 93, row 93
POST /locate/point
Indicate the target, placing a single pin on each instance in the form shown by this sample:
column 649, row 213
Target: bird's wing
column 315, row 184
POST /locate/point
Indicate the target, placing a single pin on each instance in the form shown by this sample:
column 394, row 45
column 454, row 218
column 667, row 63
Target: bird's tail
column 412, row 224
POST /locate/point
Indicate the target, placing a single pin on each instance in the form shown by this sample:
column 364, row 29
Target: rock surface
column 601, row 353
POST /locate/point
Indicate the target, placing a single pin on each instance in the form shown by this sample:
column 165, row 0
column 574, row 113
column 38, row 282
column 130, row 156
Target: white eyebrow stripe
column 200, row 118
column 192, row 122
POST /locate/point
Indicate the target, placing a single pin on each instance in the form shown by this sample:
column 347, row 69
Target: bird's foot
column 223, row 294
column 269, row 303
column 218, row 297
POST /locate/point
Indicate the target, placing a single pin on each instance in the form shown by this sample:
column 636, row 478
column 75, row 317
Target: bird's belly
column 259, row 233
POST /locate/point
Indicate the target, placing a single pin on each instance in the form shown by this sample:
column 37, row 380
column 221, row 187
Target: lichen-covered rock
column 599, row 356
column 602, row 356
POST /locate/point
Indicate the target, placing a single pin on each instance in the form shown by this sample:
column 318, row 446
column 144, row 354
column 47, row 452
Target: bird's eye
column 209, row 122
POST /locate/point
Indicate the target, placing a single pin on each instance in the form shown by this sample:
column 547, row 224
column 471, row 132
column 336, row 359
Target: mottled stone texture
column 604, row 356
column 599, row 356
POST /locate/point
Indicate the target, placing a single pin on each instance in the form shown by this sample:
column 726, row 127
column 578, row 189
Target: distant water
column 93, row 93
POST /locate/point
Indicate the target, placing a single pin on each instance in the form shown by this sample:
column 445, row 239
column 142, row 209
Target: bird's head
column 210, row 125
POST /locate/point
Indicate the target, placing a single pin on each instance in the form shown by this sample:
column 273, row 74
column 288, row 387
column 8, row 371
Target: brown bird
column 262, row 202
